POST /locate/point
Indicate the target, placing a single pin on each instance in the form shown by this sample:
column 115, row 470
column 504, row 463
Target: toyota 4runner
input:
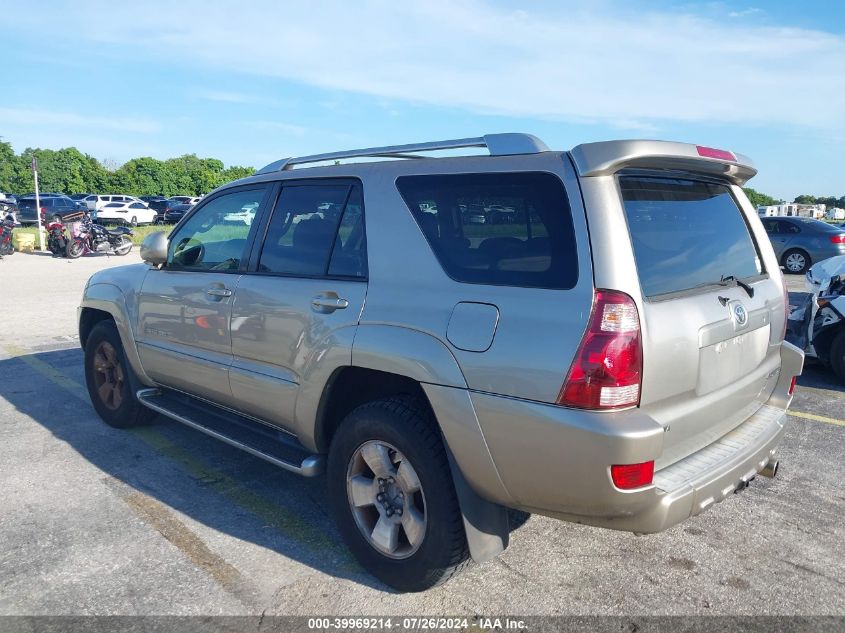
column 594, row 335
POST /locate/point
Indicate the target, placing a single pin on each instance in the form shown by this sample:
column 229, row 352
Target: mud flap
column 486, row 523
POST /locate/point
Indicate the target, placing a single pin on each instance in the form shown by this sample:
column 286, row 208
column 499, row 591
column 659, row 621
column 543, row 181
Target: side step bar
column 263, row 441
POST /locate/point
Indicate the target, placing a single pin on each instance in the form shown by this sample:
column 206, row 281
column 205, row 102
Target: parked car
column 53, row 207
column 247, row 214
column 161, row 207
column 79, row 197
column 186, row 199
column 175, row 213
column 130, row 213
column 801, row 242
column 95, row 202
column 149, row 199
column 628, row 375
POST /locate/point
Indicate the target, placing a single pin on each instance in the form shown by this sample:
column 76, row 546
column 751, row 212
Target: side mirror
column 154, row 248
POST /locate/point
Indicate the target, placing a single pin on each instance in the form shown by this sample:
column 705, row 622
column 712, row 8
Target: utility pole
column 37, row 204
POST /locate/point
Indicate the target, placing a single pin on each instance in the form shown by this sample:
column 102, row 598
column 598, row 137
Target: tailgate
column 711, row 312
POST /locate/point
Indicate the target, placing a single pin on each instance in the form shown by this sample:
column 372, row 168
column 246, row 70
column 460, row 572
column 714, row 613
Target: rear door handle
column 218, row 292
column 328, row 304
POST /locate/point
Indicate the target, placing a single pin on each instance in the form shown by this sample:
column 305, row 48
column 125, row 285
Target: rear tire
column 796, row 261
column 418, row 493
column 124, row 247
column 837, row 355
column 109, row 379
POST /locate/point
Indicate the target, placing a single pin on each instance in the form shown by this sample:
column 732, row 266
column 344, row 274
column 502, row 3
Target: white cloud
column 744, row 13
column 600, row 61
column 57, row 119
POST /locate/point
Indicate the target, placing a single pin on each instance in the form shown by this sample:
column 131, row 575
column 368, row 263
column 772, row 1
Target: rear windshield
column 512, row 229
column 686, row 233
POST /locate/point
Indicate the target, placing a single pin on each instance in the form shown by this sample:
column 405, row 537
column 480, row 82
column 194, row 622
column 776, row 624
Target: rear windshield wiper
column 727, row 279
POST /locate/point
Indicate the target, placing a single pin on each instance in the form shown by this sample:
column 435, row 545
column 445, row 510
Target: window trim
column 567, row 198
column 261, row 235
column 250, row 240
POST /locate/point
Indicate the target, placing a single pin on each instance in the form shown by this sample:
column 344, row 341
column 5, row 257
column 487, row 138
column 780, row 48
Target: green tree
column 70, row 171
column 758, row 199
column 805, row 199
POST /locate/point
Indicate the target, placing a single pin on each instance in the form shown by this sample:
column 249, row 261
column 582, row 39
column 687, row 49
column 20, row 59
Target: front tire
column 108, row 378
column 796, row 261
column 393, row 497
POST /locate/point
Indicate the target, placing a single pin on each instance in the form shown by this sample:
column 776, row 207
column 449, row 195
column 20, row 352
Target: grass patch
column 138, row 233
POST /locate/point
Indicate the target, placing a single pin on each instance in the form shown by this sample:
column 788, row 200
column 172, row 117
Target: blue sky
column 249, row 82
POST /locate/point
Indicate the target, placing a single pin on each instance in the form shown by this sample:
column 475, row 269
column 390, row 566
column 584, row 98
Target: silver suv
column 593, row 335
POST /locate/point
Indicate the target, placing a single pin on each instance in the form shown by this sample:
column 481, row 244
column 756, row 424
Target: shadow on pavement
column 214, row 484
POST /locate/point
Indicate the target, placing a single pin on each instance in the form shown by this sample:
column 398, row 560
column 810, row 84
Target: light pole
column 37, row 205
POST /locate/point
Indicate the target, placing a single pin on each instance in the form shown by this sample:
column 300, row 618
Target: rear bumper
column 556, row 461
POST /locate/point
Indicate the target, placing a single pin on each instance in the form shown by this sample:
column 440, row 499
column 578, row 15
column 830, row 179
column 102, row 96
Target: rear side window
column 316, row 230
column 507, row 229
column 686, row 234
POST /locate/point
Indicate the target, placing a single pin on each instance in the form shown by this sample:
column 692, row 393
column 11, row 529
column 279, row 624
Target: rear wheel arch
column 349, row 387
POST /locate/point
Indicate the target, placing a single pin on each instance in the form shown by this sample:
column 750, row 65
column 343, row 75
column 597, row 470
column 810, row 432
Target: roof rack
column 498, row 145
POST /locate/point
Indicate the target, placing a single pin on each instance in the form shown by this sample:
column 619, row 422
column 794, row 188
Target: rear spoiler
column 608, row 157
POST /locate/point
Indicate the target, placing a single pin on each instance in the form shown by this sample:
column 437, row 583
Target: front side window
column 303, row 237
column 686, row 233
column 206, row 241
column 511, row 229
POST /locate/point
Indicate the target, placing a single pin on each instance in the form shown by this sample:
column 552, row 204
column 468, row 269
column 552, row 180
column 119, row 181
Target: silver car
column 612, row 355
column 801, row 242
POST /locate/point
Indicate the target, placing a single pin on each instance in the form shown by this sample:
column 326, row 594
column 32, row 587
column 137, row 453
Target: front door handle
column 327, row 304
column 218, row 292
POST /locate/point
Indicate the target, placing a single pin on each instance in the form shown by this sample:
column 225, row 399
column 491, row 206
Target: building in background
column 792, row 209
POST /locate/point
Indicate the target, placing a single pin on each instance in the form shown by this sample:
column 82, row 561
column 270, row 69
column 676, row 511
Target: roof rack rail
column 498, row 145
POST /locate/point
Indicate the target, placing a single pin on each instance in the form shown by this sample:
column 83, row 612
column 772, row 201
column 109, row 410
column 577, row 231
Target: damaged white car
column 817, row 319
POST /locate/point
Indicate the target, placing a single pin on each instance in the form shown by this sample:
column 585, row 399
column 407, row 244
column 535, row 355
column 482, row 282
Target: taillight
column 607, row 369
column 838, row 239
column 792, row 385
column 711, row 152
column 628, row 476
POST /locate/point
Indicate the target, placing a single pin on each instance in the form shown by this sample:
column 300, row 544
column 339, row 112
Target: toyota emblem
column 740, row 314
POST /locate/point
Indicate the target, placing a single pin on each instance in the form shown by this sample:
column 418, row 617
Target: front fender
column 108, row 298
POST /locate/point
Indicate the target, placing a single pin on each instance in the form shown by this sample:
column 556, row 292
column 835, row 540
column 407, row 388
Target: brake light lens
column 629, row 476
column 838, row 239
column 607, row 370
column 792, row 385
column 712, row 152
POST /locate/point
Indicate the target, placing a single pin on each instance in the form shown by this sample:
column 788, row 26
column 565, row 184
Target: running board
column 263, row 441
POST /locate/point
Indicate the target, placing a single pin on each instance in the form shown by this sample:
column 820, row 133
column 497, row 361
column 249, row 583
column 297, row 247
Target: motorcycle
column 816, row 321
column 89, row 237
column 6, row 227
column 57, row 239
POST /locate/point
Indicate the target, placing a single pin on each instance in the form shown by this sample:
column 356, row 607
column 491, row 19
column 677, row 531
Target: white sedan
column 132, row 213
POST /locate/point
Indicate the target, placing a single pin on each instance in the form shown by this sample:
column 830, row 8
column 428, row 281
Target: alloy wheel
column 108, row 375
column 386, row 499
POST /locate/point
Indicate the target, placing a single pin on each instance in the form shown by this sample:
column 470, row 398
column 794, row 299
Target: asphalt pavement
column 164, row 520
